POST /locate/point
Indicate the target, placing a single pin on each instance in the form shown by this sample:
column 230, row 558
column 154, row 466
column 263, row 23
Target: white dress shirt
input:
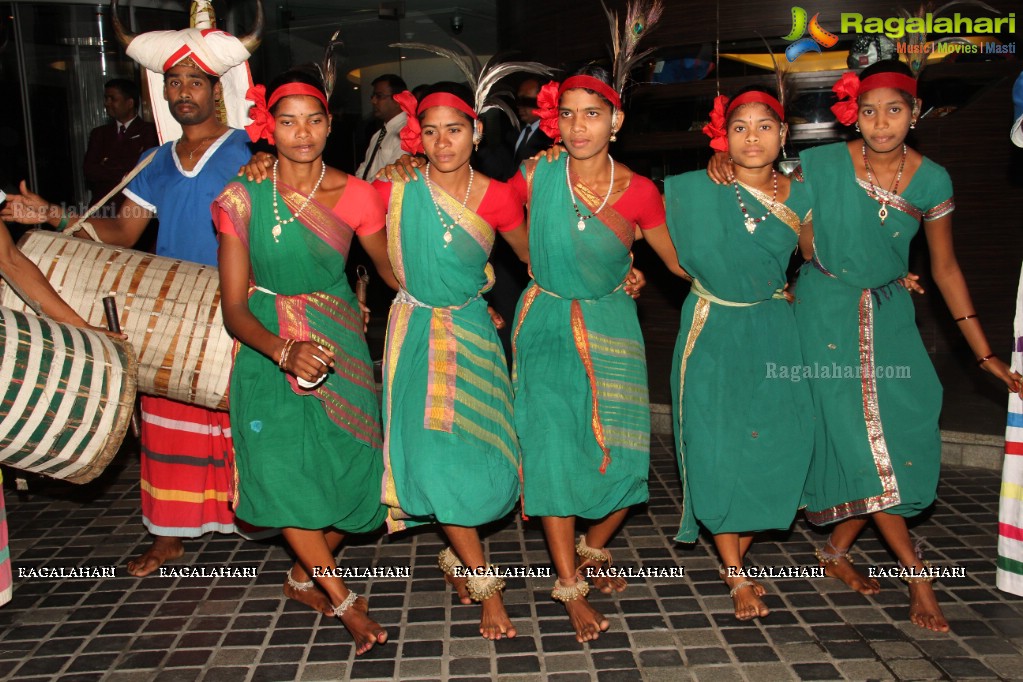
column 390, row 148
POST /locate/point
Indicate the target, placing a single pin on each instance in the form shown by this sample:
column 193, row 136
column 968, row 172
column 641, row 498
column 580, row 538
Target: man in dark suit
column 115, row 147
column 530, row 140
column 518, row 146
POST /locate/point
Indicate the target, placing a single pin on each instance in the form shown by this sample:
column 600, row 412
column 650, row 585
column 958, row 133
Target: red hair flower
column 715, row 130
column 262, row 126
column 547, row 110
column 412, row 134
column 847, row 89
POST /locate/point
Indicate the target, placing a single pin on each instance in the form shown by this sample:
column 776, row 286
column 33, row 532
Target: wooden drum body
column 66, row 396
column 169, row 309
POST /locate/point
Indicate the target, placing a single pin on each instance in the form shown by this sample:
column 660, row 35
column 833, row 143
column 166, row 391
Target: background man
column 115, row 147
column 385, row 146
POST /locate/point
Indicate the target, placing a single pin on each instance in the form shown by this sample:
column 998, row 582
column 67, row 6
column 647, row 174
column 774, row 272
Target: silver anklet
column 301, row 587
column 341, row 608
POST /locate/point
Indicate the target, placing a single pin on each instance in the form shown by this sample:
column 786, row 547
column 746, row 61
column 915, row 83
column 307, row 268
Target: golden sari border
column 237, row 204
column 610, row 218
column 394, row 252
column 700, row 314
column 778, row 209
column 582, row 345
column 941, row 210
column 527, row 302
column 397, row 329
column 470, row 221
column 530, row 173
column 442, row 370
column 894, row 200
column 889, row 496
column 319, row 220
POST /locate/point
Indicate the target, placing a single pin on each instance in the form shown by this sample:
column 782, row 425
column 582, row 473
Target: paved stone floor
column 174, row 628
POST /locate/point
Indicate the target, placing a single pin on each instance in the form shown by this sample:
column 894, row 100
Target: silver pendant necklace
column 276, row 231
column 581, row 225
column 461, row 211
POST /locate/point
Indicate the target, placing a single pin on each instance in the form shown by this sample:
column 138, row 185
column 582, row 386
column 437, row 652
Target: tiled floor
column 123, row 628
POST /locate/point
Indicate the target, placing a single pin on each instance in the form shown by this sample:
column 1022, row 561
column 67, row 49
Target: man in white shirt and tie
column 385, row 146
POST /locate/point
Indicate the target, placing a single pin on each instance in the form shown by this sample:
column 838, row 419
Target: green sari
column 582, row 410
column 305, row 459
column 877, row 445
column 743, row 415
column 449, row 446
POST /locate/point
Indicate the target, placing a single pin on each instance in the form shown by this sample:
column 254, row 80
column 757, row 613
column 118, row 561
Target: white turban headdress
column 214, row 51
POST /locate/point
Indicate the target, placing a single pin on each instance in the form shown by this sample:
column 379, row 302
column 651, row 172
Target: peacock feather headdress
column 641, row 17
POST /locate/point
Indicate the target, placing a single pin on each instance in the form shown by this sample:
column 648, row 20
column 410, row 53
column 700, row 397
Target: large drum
column 67, row 396
column 170, row 310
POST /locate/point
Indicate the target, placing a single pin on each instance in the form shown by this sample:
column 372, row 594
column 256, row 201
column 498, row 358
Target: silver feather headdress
column 482, row 77
column 328, row 67
column 640, row 18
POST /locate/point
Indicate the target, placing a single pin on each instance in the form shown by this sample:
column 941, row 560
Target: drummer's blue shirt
column 181, row 199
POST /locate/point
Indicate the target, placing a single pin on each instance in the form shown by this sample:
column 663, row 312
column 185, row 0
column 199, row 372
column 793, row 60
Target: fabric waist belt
column 404, row 297
column 551, row 293
column 699, row 290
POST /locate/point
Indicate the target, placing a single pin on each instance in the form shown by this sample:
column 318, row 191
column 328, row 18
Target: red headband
column 446, row 99
column 755, row 96
column 550, row 95
column 591, row 83
column 716, row 129
column 849, row 87
column 412, row 134
column 289, row 89
column 263, row 125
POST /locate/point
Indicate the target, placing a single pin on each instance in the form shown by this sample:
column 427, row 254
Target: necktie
column 120, row 131
column 523, row 136
column 373, row 155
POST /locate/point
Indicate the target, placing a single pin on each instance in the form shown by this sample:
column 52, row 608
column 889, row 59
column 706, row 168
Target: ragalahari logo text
column 817, row 39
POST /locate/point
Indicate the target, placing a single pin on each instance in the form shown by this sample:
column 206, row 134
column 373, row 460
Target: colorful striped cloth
column 5, row 552
column 1010, row 508
column 187, row 469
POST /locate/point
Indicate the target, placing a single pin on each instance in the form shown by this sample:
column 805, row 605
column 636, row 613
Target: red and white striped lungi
column 187, row 469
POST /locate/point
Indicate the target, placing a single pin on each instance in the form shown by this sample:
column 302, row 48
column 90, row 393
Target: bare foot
column 923, row 607
column 312, row 596
column 603, row 578
column 163, row 549
column 459, row 584
column 845, row 571
column 495, row 622
column 366, row 632
column 586, row 620
column 746, row 600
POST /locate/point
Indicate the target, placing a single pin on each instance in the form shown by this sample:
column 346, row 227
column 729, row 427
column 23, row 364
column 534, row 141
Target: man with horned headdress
column 186, row 450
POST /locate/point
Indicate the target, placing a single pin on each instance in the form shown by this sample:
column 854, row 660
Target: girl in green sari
column 582, row 409
column 878, row 448
column 450, row 451
column 743, row 418
column 304, row 409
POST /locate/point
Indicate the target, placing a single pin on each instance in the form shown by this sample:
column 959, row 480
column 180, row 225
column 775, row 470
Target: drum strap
column 30, row 302
column 81, row 223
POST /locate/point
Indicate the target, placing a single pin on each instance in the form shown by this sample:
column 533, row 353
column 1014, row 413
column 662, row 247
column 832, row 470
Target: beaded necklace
column 440, row 215
column 568, row 181
column 276, row 231
column 893, row 190
column 751, row 222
